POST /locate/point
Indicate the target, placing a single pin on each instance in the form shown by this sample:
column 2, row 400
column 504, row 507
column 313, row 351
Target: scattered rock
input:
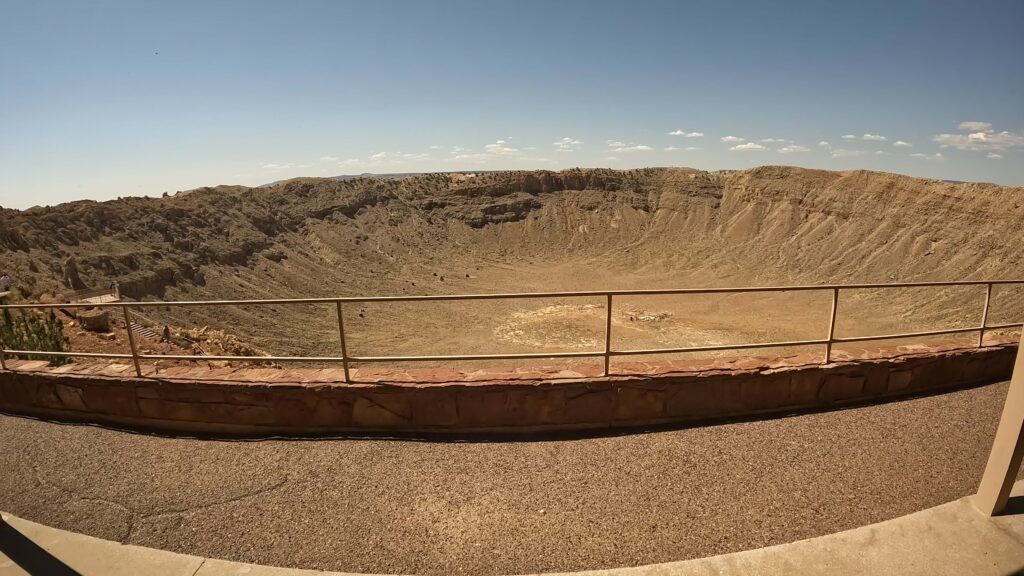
column 95, row 320
column 70, row 274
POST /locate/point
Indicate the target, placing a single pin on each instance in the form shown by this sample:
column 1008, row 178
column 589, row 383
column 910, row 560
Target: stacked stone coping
column 271, row 401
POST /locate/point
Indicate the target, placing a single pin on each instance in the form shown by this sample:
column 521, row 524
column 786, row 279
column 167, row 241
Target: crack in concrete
column 134, row 519
column 240, row 497
column 75, row 495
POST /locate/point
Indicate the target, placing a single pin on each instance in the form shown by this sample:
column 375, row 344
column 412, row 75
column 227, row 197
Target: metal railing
column 607, row 353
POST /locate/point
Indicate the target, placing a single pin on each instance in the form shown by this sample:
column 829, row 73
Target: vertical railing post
column 608, row 336
column 1007, row 448
column 131, row 340
column 344, row 346
column 3, row 357
column 832, row 325
column 984, row 315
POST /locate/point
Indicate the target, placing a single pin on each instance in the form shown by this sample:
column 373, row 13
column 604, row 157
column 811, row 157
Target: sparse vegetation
column 35, row 331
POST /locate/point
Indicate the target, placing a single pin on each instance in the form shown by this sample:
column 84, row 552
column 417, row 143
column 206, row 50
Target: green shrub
column 34, row 331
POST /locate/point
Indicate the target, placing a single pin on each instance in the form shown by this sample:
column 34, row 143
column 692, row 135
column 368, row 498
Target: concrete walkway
column 951, row 539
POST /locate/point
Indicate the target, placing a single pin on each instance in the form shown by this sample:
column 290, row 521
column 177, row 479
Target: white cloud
column 395, row 157
column 824, row 144
column 566, row 144
column 902, row 144
column 843, row 153
column 617, row 146
column 670, row 148
column 775, row 141
column 881, row 153
column 499, row 148
column 686, row 134
column 692, row 148
column 611, row 158
column 936, row 156
column 975, row 126
column 436, row 147
column 849, row 137
column 994, row 156
column 730, row 139
column 328, row 159
column 275, row 168
column 980, row 137
column 873, row 137
column 793, row 148
column 747, row 146
column 458, row 149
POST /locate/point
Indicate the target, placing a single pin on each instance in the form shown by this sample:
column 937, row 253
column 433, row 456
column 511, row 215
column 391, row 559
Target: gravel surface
column 389, row 506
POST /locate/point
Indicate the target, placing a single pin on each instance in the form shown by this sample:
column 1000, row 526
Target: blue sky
column 102, row 99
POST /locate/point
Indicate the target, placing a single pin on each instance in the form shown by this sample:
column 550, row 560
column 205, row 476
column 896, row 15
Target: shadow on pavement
column 29, row 556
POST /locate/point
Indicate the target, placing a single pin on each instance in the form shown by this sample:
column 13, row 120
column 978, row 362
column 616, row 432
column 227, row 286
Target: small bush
column 34, row 331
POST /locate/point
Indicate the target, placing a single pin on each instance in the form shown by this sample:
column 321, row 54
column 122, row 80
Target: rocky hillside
column 576, row 229
column 766, row 224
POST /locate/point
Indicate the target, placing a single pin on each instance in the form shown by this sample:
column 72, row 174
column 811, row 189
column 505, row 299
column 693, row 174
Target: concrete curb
column 951, row 539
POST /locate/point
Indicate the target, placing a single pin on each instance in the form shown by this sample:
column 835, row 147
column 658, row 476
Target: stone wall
column 517, row 406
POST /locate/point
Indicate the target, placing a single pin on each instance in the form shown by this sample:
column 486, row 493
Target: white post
column 1007, row 449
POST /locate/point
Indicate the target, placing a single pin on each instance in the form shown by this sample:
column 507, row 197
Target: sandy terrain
column 524, row 231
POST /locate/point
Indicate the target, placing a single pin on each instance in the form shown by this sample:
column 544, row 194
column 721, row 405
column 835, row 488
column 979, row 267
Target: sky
column 103, row 99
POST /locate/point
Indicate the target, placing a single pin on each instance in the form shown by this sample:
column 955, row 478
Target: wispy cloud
column 980, row 137
column 775, row 141
column 692, row 148
column 731, row 139
column 747, row 146
column 849, row 136
column 275, row 167
column 793, row 148
column 994, row 156
column 500, row 147
column 874, row 138
column 902, row 144
column 844, row 153
column 436, row 147
column 936, row 156
column 686, row 134
column 670, row 148
column 824, row 144
column 566, row 144
column 328, row 158
column 617, row 146
column 397, row 156
column 975, row 126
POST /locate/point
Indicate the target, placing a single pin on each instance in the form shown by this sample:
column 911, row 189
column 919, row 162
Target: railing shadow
column 1014, row 506
column 31, row 557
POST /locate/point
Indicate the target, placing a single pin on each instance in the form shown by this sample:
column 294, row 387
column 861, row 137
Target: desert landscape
column 573, row 230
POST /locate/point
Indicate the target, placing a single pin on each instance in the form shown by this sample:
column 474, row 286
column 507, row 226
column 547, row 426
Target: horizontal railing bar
column 1004, row 326
column 523, row 356
column 67, row 354
column 715, row 348
column 203, row 358
column 908, row 334
column 520, row 295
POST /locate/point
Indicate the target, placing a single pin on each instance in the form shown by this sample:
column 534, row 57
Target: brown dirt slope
column 575, row 229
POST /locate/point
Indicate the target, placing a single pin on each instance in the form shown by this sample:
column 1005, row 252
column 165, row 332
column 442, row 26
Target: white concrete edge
column 953, row 538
